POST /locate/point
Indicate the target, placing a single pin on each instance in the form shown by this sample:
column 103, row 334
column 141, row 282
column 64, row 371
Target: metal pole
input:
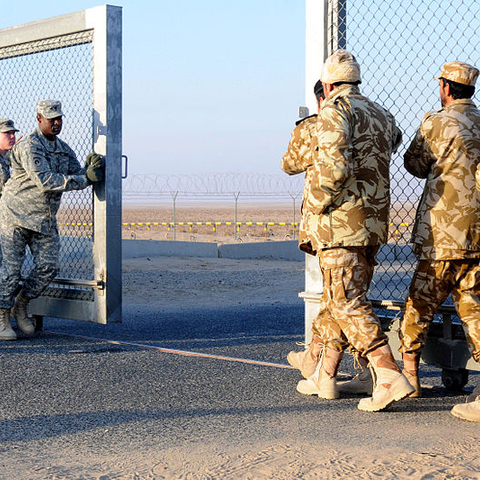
column 294, row 198
column 337, row 25
column 235, row 215
column 107, row 107
column 316, row 49
column 174, row 198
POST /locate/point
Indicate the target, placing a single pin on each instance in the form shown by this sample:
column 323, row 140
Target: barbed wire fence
column 215, row 187
column 233, row 189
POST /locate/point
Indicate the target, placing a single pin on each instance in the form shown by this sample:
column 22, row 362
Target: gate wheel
column 454, row 380
column 38, row 322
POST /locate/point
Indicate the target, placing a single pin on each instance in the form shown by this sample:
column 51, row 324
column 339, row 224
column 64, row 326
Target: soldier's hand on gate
column 95, row 174
column 94, row 160
column 95, row 164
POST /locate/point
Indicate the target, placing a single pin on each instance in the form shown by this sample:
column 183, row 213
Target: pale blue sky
column 209, row 86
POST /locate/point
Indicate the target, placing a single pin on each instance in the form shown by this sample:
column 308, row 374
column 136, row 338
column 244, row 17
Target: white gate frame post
column 106, row 21
column 315, row 55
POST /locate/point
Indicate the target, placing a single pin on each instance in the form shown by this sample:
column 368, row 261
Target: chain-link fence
column 219, row 207
column 401, row 47
column 57, row 68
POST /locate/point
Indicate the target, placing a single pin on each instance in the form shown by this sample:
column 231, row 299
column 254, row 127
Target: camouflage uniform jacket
column 41, row 172
column 349, row 193
column 4, row 170
column 298, row 159
column 446, row 152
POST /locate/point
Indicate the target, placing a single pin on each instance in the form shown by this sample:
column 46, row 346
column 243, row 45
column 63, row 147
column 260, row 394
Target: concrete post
column 315, row 54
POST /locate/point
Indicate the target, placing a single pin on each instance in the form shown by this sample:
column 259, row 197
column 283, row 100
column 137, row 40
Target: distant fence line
column 155, row 187
column 212, row 185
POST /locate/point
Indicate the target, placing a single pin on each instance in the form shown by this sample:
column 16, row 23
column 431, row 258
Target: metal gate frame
column 322, row 37
column 104, row 24
column 446, row 345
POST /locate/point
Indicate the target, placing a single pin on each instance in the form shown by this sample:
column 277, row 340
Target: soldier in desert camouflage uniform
column 446, row 235
column 299, row 159
column 43, row 167
column 349, row 201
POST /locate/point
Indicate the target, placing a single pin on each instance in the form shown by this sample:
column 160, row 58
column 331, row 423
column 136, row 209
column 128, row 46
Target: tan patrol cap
column 6, row 125
column 50, row 108
column 459, row 72
column 341, row 66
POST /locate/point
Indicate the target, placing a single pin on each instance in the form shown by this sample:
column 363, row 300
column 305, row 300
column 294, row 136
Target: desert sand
column 215, row 223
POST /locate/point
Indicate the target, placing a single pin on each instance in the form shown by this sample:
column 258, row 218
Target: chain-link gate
column 401, row 47
column 65, row 58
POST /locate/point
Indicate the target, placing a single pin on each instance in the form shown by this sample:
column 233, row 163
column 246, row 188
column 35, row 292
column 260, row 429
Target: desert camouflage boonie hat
column 459, row 72
column 49, row 108
column 6, row 125
column 341, row 66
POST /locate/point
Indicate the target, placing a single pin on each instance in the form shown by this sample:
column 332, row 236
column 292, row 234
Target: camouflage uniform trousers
column 431, row 284
column 44, row 249
column 346, row 316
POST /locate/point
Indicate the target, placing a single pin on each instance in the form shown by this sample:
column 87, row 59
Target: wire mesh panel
column 401, row 47
column 65, row 74
column 65, row 58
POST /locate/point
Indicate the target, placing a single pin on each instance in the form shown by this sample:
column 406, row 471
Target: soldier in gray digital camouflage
column 42, row 168
column 298, row 159
column 446, row 235
column 7, row 141
column 349, row 200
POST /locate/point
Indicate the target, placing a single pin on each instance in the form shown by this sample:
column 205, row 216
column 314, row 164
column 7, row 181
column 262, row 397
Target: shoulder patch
column 298, row 122
column 341, row 101
column 431, row 114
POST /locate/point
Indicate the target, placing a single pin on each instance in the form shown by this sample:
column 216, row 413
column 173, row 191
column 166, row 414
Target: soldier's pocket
column 339, row 272
column 427, row 280
column 471, row 281
column 63, row 164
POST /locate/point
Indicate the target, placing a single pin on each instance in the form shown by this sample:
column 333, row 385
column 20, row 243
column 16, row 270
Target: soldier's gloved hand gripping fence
column 95, row 165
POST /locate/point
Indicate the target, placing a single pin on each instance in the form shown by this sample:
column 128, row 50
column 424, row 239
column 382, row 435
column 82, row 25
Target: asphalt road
column 71, row 395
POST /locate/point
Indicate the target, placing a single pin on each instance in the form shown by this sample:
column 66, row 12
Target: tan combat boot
column 360, row 384
column 473, row 396
column 410, row 370
column 307, row 360
column 468, row 411
column 19, row 313
column 323, row 381
column 390, row 386
column 6, row 330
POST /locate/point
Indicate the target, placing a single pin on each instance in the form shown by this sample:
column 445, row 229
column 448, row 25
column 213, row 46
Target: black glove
column 95, row 165
column 95, row 160
column 95, row 174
